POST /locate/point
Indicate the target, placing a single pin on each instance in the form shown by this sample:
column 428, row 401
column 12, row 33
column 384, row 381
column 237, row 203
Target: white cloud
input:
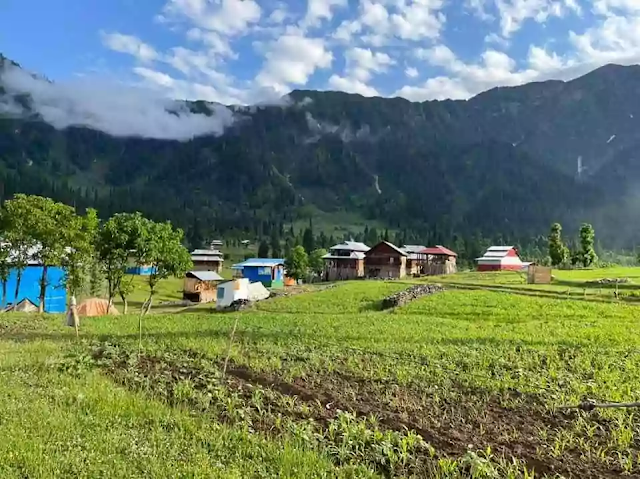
column 292, row 59
column 229, row 17
column 411, row 72
column 318, row 10
column 351, row 85
column 376, row 34
column 362, row 62
column 129, row 44
column 114, row 109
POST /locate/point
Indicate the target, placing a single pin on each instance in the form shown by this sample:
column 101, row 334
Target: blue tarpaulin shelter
column 55, row 294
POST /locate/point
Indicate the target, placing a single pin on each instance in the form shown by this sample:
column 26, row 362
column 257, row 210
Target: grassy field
column 465, row 383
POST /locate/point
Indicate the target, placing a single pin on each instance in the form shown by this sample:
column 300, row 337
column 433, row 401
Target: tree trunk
column 43, row 288
column 4, row 294
column 125, row 307
column 18, row 281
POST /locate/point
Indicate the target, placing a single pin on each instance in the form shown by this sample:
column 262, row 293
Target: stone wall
column 409, row 294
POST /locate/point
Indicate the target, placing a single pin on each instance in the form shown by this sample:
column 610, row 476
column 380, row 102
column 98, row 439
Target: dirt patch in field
column 474, row 420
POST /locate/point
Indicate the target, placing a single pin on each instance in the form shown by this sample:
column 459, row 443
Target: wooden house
column 416, row 259
column 500, row 258
column 207, row 260
column 201, row 286
column 385, row 260
column 440, row 260
column 345, row 261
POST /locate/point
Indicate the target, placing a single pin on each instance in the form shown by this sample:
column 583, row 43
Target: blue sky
column 243, row 51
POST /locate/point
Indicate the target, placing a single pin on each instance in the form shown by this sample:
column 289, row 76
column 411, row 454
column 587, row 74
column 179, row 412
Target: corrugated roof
column 350, row 246
column 413, row 248
column 353, row 255
column 205, row 275
column 207, row 258
column 439, row 250
column 206, row 252
column 496, row 253
column 259, row 262
column 394, row 247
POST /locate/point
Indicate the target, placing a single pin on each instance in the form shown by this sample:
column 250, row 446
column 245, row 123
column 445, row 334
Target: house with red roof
column 500, row 258
column 440, row 260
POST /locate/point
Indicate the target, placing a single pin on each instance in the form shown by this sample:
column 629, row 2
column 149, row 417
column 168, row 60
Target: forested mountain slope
column 501, row 165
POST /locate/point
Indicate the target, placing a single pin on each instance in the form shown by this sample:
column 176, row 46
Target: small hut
column 201, row 286
column 268, row 271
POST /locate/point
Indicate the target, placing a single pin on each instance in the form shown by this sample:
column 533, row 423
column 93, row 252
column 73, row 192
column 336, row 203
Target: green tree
column 81, row 233
column 316, row 261
column 17, row 238
column 588, row 254
column 122, row 237
column 297, row 263
column 558, row 252
column 276, row 248
column 263, row 249
column 164, row 252
column 308, row 241
column 50, row 226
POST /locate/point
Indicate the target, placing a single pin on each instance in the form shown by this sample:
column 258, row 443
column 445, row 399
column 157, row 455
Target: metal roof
column 351, row 246
column 353, row 255
column 496, row 253
column 259, row 262
column 394, row 247
column 205, row 275
column 207, row 258
column 413, row 248
column 439, row 250
column 206, row 252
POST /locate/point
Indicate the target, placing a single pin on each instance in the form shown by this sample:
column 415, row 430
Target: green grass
column 464, row 383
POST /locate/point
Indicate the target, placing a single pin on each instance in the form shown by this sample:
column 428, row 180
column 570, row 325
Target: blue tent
column 55, row 300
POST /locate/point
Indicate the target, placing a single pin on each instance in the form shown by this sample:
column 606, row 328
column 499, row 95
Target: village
column 253, row 278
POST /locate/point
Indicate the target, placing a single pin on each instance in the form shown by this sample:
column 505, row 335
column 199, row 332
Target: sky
column 249, row 51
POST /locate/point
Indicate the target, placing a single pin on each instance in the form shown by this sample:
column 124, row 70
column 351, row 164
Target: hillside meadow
column 470, row 382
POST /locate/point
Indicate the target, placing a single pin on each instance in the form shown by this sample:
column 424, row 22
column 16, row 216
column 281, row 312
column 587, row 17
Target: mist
column 117, row 110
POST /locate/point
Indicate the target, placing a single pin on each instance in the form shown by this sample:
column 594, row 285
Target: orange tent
column 96, row 307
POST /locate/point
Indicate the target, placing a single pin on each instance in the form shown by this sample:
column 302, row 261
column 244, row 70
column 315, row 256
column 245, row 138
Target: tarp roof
column 205, row 275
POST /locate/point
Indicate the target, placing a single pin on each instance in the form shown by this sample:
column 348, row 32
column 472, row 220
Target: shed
column 201, row 286
column 440, row 260
column 500, row 258
column 55, row 299
column 385, row 260
column 207, row 260
column 345, row 261
column 268, row 271
column 231, row 291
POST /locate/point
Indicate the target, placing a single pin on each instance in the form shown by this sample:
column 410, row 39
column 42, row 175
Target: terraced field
column 463, row 383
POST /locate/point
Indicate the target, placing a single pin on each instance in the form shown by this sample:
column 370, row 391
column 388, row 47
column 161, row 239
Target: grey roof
column 351, row 246
column 413, row 248
column 206, row 252
column 353, row 255
column 205, row 275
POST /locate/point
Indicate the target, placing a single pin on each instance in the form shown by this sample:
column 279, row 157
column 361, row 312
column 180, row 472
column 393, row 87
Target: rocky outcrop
column 406, row 296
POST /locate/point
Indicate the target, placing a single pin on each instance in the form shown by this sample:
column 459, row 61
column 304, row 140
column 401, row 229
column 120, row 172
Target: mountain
column 503, row 165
